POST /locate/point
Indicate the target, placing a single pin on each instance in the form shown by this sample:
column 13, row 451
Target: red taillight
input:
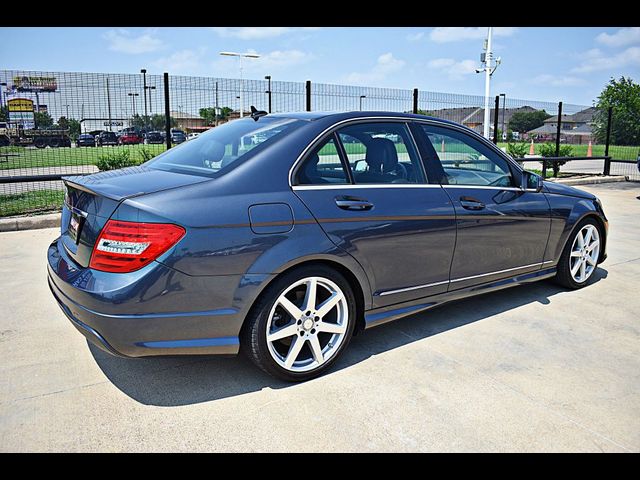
column 127, row 246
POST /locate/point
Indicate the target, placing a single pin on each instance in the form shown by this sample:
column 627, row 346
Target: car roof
column 310, row 116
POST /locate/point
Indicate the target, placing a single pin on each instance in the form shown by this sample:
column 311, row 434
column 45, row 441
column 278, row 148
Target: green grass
column 55, row 157
column 617, row 152
column 30, row 202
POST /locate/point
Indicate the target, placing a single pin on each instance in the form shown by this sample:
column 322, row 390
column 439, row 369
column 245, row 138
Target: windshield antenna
column 256, row 114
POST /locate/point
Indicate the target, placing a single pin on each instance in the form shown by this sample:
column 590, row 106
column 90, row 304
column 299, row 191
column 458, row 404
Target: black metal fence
column 61, row 123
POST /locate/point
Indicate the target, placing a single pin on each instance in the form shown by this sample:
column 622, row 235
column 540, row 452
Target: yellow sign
column 20, row 105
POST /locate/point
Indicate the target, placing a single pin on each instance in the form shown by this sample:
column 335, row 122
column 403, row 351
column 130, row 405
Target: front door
column 368, row 190
column 502, row 229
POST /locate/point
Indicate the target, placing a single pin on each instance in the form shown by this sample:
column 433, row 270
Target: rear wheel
column 301, row 324
column 579, row 259
column 40, row 142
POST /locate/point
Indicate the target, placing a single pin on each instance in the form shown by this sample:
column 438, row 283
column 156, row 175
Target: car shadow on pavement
column 186, row 380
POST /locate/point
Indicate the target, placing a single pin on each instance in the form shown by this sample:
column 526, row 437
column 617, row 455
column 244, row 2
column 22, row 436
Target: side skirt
column 382, row 315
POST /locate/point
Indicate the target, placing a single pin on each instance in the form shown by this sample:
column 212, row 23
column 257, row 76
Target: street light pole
column 67, row 105
column 150, row 87
column 488, row 69
column 268, row 92
column 133, row 101
column 143, row 71
column 240, row 56
column 3, row 88
column 361, row 97
column 504, row 102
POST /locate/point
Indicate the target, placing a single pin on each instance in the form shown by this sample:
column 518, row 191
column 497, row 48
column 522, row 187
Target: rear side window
column 381, row 152
column 322, row 166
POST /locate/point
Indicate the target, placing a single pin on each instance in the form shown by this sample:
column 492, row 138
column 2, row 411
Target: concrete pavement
column 532, row 368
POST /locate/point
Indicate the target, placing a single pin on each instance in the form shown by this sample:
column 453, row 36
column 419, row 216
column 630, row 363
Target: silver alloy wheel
column 584, row 253
column 312, row 312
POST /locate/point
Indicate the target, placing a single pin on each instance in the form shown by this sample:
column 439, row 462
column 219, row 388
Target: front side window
column 211, row 152
column 381, row 152
column 465, row 160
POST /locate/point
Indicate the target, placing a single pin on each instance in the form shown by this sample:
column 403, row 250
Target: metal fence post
column 607, row 160
column 495, row 120
column 558, row 129
column 308, row 93
column 167, row 111
column 415, row 100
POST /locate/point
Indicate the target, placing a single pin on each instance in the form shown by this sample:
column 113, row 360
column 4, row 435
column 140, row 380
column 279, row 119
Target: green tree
column 70, row 124
column 154, row 122
column 624, row 96
column 527, row 121
column 209, row 114
column 43, row 119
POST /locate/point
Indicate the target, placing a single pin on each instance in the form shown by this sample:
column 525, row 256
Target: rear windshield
column 211, row 153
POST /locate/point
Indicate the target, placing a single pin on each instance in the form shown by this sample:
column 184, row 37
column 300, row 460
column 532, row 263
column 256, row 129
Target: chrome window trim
column 313, row 142
column 485, row 187
column 405, row 120
column 343, row 186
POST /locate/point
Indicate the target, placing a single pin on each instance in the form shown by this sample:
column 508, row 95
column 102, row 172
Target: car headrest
column 310, row 169
column 381, row 156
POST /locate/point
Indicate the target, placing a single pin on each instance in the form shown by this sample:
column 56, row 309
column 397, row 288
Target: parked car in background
column 193, row 135
column 106, row 138
column 153, row 137
column 177, row 136
column 130, row 138
column 85, row 140
column 286, row 248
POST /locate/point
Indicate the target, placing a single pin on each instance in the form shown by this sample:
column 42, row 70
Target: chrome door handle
column 353, row 203
column 471, row 203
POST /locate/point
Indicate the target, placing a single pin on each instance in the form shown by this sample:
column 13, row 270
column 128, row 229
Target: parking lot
column 532, row 368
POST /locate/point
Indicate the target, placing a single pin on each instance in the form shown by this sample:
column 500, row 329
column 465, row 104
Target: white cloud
column 257, row 33
column 415, row 37
column 456, row 34
column 595, row 60
column 621, row 38
column 123, row 41
column 453, row 69
column 181, row 62
column 558, row 81
column 385, row 65
column 283, row 58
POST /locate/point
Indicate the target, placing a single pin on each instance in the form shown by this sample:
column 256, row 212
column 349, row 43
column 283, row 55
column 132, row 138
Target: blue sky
column 551, row 64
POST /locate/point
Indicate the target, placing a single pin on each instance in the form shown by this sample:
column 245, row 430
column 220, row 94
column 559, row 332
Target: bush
column 518, row 150
column 146, row 154
column 549, row 150
column 116, row 160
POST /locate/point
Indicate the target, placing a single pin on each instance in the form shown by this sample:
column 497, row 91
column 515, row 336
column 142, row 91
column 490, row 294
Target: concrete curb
column 593, row 180
column 50, row 220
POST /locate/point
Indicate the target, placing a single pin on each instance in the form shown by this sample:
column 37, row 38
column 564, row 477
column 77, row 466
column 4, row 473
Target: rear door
column 502, row 229
column 366, row 186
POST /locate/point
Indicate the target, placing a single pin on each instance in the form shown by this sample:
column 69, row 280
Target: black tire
column 563, row 276
column 40, row 142
column 254, row 334
column 54, row 142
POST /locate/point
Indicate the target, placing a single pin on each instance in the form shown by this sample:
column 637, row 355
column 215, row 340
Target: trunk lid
column 90, row 200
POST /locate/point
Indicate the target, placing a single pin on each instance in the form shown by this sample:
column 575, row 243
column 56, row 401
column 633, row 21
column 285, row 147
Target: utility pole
column 488, row 69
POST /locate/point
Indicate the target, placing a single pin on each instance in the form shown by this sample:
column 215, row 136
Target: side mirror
column 531, row 181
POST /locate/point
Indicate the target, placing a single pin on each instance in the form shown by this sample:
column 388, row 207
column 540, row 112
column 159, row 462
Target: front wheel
column 579, row 259
column 301, row 324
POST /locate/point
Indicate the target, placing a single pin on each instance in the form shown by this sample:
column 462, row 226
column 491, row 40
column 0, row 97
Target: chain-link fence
column 61, row 123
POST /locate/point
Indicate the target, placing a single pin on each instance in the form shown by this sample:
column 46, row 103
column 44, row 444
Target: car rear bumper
column 148, row 312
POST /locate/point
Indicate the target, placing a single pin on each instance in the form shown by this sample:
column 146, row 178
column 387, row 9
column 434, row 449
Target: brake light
column 128, row 246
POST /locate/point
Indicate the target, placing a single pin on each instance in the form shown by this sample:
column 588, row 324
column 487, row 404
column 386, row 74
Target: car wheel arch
column 601, row 227
column 359, row 290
